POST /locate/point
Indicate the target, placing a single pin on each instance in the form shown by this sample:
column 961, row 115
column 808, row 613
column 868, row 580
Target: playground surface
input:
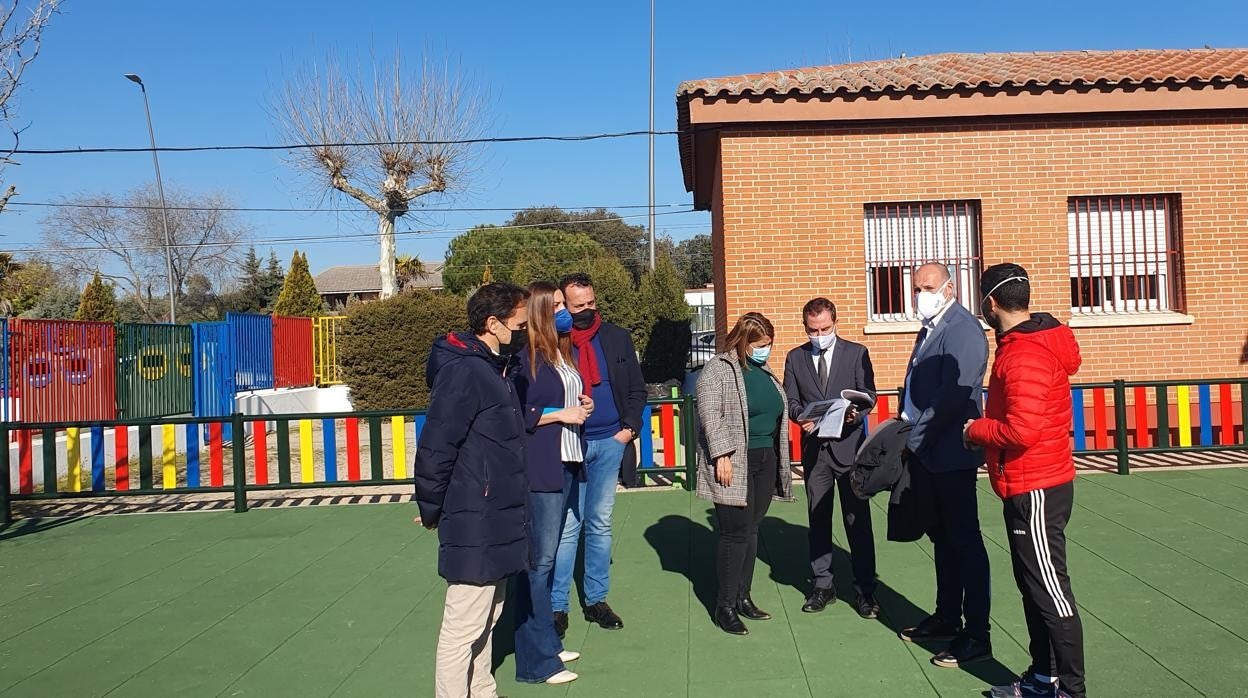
column 345, row 600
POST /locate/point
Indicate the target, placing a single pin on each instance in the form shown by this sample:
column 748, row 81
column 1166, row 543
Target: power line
column 357, row 209
column 315, row 239
column 362, row 144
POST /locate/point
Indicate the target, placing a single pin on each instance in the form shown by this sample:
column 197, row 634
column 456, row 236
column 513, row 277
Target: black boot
column 746, row 607
column 727, row 619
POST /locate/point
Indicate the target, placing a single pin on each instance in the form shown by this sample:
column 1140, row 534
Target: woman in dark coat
column 555, row 406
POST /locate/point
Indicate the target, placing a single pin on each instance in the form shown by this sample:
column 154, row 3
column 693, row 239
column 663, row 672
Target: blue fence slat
column 1206, row 415
column 330, row 436
column 192, row 455
column 252, row 340
column 97, row 459
column 1080, row 431
column 647, row 439
column 5, row 397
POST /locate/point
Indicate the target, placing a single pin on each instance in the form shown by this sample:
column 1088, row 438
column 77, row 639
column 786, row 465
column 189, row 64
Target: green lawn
column 344, row 600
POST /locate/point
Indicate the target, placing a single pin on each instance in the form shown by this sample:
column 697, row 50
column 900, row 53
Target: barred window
column 902, row 236
column 1125, row 254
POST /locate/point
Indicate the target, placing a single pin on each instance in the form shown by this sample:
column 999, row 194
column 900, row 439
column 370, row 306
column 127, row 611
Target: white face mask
column 823, row 342
column 930, row 303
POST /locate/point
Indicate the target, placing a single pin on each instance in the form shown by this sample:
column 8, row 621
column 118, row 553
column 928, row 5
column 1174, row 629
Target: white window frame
column 908, row 234
column 1111, row 239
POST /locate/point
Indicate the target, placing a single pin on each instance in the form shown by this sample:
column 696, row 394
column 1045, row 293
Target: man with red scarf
column 609, row 368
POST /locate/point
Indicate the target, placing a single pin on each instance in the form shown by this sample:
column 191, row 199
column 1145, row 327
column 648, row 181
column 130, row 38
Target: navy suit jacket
column 946, row 384
column 544, row 451
column 850, row 368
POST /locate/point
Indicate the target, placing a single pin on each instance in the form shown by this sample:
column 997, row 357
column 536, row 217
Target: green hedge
column 383, row 347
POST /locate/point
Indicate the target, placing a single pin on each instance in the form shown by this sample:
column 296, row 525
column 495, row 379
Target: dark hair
column 815, row 306
column 749, row 329
column 1009, row 285
column 579, row 278
column 500, row 300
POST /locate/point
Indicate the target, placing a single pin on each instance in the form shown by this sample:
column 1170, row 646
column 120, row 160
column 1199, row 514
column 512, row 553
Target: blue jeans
column 589, row 505
column 537, row 644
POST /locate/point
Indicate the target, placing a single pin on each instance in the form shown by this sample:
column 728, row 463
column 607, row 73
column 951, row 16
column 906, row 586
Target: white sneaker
column 562, row 677
column 569, row 656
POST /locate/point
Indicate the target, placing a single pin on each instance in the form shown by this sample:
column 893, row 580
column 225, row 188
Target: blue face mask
column 759, row 354
column 563, row 321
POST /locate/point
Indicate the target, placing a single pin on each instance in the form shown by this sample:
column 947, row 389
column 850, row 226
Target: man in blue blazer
column 944, row 389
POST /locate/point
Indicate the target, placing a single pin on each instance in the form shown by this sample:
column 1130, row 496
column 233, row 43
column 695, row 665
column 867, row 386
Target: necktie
column 823, row 370
column 918, row 342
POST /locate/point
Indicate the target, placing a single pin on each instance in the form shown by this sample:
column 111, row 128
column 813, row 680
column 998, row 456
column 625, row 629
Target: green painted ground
column 344, row 601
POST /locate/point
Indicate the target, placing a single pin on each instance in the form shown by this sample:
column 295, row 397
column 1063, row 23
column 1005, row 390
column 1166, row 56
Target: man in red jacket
column 1025, row 434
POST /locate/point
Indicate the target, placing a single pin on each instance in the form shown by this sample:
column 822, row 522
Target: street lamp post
column 650, row 217
column 164, row 214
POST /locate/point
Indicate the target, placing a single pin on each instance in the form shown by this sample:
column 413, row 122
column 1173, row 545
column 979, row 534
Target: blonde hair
column 543, row 338
column 750, row 328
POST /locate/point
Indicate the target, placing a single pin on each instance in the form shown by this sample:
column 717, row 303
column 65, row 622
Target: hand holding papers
column 829, row 416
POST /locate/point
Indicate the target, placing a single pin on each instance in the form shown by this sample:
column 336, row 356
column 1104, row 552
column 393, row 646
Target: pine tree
column 271, row 281
column 299, row 296
column 98, row 302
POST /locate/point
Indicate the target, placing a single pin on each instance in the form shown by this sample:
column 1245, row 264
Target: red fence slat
column 216, row 456
column 1143, row 435
column 1228, row 414
column 292, row 352
column 1100, row 419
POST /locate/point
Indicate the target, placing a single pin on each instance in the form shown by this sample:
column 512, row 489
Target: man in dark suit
column 943, row 390
column 819, row 370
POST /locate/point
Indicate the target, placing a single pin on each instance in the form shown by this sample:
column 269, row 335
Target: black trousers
column 738, row 529
column 1036, row 524
column 821, row 481
column 962, row 572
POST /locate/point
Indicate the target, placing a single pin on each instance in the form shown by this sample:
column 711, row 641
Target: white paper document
column 829, row 415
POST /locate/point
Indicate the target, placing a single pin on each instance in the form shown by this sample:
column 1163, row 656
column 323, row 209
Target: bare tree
column 21, row 37
column 122, row 240
column 413, row 122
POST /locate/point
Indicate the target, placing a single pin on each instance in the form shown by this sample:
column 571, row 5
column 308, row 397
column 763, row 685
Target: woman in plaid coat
column 741, row 409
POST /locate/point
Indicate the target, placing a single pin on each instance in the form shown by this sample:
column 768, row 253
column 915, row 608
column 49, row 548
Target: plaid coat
column 723, row 417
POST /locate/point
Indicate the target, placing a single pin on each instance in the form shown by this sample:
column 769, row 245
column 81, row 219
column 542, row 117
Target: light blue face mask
column 759, row 354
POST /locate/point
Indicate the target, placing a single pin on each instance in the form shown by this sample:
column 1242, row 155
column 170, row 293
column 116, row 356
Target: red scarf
column 586, row 357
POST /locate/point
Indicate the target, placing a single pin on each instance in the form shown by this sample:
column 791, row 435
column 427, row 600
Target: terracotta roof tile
column 948, row 71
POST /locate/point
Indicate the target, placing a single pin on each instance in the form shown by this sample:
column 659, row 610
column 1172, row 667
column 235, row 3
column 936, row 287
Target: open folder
column 829, row 415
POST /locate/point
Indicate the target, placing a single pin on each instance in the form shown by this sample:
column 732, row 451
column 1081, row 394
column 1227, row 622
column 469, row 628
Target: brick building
column 1119, row 179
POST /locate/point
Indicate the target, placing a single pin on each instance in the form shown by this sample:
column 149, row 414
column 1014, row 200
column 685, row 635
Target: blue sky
column 549, row 68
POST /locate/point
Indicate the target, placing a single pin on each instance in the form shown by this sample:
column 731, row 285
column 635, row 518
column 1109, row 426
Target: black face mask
column 584, row 319
column 519, row 339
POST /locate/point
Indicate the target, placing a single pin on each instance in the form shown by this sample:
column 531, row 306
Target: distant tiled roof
column 947, row 71
column 366, row 278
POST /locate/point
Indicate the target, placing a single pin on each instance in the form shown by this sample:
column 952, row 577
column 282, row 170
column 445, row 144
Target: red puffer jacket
column 1025, row 431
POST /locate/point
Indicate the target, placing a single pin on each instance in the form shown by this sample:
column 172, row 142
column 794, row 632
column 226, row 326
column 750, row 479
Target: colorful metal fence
column 252, row 350
column 292, row 352
column 61, row 370
column 155, row 366
column 214, row 369
column 325, row 349
column 344, row 449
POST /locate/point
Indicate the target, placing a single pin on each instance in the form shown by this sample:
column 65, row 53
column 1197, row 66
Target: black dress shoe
column 746, row 607
column 932, row 628
column 962, row 651
column 818, row 600
column 867, row 606
column 602, row 614
column 561, row 623
column 727, row 619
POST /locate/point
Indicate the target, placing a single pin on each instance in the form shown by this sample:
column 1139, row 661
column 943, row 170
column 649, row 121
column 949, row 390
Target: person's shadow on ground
column 688, row 548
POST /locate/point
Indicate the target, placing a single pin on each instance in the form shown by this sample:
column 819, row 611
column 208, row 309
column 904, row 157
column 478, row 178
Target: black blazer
column 628, row 387
column 545, row 443
column 850, row 368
